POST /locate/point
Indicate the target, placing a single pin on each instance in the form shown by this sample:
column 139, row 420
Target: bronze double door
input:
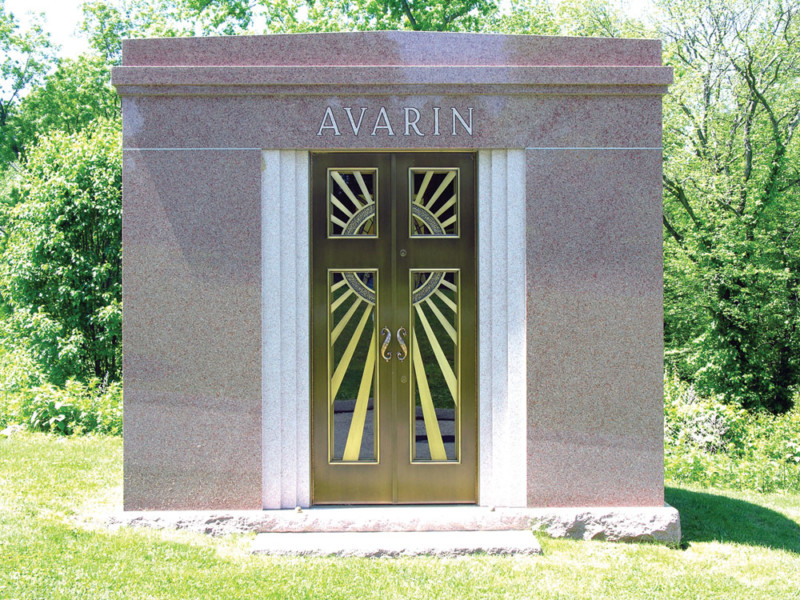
column 393, row 328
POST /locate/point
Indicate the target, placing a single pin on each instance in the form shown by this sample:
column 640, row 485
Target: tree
column 732, row 195
column 71, row 98
column 107, row 22
column 732, row 198
column 595, row 18
column 60, row 269
column 283, row 16
column 25, row 56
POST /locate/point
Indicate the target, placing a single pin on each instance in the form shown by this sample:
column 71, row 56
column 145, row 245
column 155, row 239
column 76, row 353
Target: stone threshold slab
column 372, row 544
column 626, row 524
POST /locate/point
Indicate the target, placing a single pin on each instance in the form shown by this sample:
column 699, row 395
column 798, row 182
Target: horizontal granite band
column 366, row 90
column 370, row 92
column 292, row 122
column 372, row 76
column 391, row 48
column 250, row 149
column 659, row 148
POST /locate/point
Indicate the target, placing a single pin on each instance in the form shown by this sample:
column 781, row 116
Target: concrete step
column 396, row 543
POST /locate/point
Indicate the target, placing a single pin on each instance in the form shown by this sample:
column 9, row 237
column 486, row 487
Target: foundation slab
column 633, row 524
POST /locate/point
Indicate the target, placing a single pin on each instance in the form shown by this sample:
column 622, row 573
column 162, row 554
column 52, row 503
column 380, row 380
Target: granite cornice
column 390, row 48
column 259, row 80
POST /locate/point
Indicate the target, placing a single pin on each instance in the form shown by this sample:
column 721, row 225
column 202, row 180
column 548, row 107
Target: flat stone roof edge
column 409, row 75
column 391, row 48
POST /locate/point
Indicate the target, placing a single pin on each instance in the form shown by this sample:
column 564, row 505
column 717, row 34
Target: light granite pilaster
column 285, row 333
column 502, row 326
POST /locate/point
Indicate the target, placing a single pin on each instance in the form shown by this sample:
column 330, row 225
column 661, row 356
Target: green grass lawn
column 53, row 492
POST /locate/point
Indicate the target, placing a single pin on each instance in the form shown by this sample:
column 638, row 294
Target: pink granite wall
column 595, row 433
column 192, row 329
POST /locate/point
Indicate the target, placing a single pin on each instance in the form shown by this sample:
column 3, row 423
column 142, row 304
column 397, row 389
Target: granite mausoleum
column 392, row 268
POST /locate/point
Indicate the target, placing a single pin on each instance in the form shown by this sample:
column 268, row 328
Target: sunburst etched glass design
column 434, row 365
column 352, row 368
column 434, row 202
column 352, row 202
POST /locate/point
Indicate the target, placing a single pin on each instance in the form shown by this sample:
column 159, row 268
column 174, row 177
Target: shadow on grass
column 710, row 517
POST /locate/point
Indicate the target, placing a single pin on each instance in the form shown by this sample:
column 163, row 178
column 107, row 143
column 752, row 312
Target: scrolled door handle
column 400, row 333
column 387, row 333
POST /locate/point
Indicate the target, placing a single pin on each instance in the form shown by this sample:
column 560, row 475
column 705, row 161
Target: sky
column 637, row 8
column 62, row 17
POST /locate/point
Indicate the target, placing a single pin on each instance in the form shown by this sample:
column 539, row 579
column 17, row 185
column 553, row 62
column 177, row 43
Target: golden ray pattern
column 434, row 363
column 352, row 202
column 352, row 335
column 434, row 202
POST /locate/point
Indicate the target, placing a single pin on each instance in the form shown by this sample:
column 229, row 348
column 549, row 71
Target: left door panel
column 350, row 259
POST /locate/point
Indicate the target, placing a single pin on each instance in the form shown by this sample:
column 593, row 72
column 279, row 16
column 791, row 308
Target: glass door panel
column 434, row 365
column 352, row 202
column 352, row 366
column 434, row 202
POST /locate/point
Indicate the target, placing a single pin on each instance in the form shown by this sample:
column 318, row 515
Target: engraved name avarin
column 406, row 121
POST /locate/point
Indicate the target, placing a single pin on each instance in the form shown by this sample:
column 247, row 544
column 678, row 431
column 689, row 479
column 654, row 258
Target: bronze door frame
column 389, row 258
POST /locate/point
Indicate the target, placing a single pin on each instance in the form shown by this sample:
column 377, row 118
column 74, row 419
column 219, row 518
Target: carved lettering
column 410, row 123
column 410, row 120
column 386, row 125
column 360, row 118
column 329, row 117
column 457, row 115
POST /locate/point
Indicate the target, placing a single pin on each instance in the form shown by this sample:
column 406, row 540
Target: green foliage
column 732, row 198
column 25, row 57
column 284, row 16
column 51, row 412
column 426, row 15
column 60, row 274
column 76, row 408
column 71, row 98
column 732, row 184
column 710, row 443
column 107, row 22
column 595, row 18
